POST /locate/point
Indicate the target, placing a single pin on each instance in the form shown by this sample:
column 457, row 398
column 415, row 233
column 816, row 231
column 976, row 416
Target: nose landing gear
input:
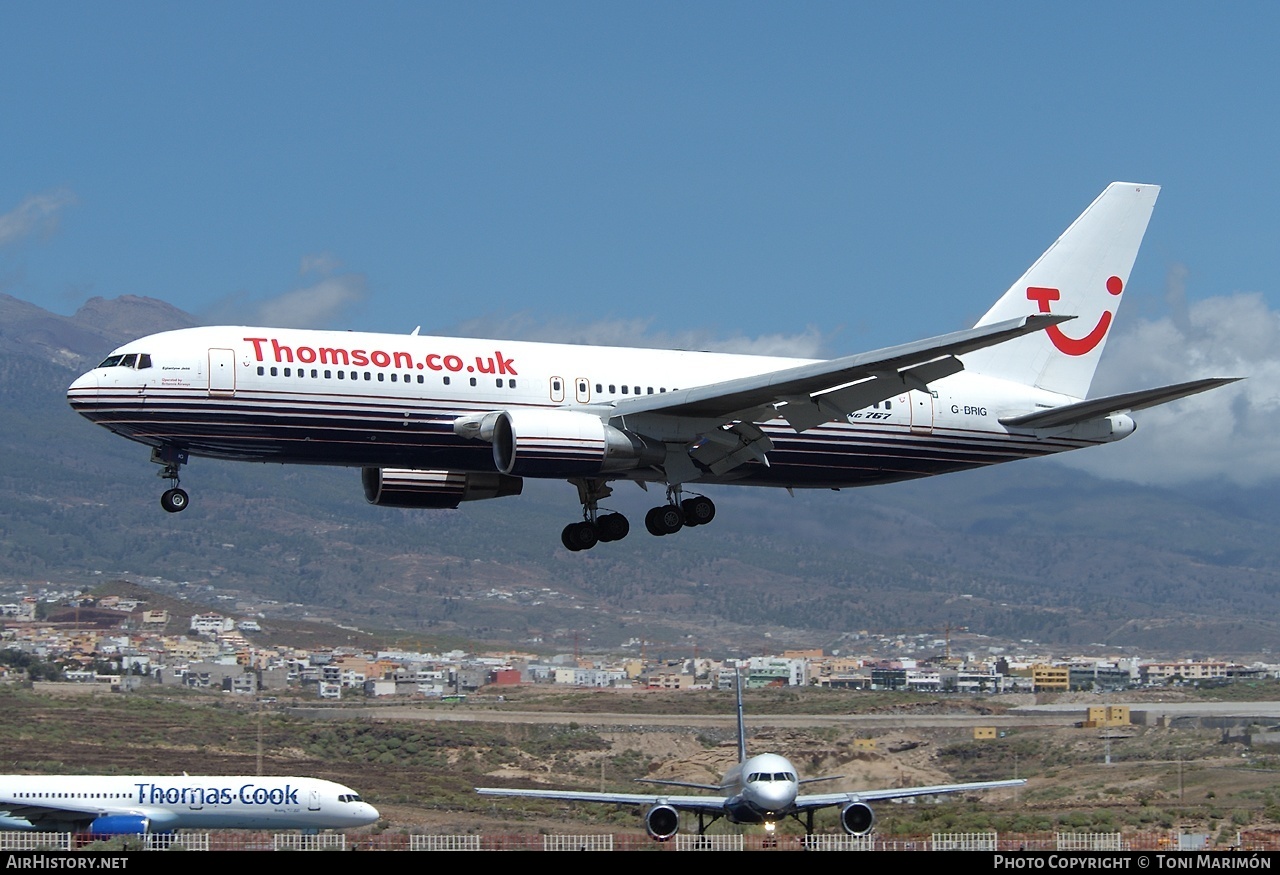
column 174, row 499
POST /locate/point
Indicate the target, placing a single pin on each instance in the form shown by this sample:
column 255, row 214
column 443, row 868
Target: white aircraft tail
column 1083, row 274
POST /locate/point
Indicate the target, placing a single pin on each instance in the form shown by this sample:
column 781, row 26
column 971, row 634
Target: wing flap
column 1083, row 411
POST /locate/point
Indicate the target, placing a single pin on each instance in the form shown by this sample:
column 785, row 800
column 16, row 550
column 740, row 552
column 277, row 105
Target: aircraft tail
column 742, row 725
column 1083, row 274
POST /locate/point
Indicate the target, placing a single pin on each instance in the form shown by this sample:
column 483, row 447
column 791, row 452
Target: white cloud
column 315, row 305
column 322, row 263
column 37, row 215
column 639, row 333
column 1227, row 433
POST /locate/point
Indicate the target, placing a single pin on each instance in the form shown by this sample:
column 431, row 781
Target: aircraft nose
column 778, row 795
column 84, row 386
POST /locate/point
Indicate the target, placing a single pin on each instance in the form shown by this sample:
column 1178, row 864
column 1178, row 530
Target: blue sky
column 819, row 178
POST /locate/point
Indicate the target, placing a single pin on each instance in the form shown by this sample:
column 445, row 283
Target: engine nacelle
column 409, row 487
column 558, row 443
column 857, row 818
column 120, row 825
column 662, row 822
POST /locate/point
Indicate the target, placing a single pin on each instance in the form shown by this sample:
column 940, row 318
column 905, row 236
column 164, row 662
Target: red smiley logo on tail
column 1071, row 345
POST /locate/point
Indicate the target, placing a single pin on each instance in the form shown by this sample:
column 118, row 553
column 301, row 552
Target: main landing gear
column 174, row 499
column 664, row 520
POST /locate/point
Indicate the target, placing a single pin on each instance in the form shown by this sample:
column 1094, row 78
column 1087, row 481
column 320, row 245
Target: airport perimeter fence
column 1256, row 840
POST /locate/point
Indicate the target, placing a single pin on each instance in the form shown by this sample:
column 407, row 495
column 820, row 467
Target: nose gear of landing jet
column 174, row 499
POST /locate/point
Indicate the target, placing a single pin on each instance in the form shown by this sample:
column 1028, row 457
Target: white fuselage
column 762, row 789
column 391, row 401
column 49, row 802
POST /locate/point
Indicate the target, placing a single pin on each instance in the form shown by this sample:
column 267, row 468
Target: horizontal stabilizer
column 1097, row 408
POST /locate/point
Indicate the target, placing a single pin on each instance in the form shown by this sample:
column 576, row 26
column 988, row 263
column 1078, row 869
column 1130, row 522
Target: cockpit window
column 348, row 797
column 138, row 360
column 754, row 777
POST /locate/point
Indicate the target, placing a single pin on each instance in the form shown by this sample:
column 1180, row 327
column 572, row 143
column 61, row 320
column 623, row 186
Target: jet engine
column 662, row 821
column 857, row 818
column 120, row 825
column 409, row 487
column 558, row 443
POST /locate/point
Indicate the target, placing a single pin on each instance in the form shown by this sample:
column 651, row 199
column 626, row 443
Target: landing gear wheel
column 698, row 511
column 665, row 520
column 579, row 536
column 174, row 500
column 612, row 527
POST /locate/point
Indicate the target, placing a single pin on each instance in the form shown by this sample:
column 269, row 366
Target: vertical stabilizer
column 742, row 726
column 1083, row 274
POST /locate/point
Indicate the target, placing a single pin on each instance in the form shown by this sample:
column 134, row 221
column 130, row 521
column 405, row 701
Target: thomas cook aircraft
column 435, row 421
column 130, row 805
column 762, row 789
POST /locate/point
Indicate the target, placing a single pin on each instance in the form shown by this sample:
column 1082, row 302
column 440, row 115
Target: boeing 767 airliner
column 435, row 421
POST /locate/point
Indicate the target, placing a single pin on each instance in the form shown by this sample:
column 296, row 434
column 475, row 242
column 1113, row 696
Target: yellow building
column 1050, row 678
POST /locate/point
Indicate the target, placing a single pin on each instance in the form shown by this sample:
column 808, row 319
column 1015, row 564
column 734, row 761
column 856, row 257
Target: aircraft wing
column 822, row 391
column 1082, row 411
column 681, row 803
column 50, row 816
column 809, row 802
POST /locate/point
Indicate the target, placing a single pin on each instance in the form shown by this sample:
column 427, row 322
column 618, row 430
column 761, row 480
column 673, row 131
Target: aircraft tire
column 613, row 527
column 174, row 500
column 579, row 536
column 698, row 511
column 566, row 538
column 667, row 520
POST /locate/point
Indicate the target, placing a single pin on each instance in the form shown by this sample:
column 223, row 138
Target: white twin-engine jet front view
column 435, row 421
column 129, row 805
column 762, row 789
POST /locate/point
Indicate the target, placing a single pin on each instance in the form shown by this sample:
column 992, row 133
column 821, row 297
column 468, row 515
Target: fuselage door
column 921, row 411
column 582, row 390
column 313, row 800
column 557, row 390
column 222, row 373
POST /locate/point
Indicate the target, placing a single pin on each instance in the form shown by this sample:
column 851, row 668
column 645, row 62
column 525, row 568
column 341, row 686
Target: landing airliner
column 127, row 805
column 435, row 421
column 762, row 789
